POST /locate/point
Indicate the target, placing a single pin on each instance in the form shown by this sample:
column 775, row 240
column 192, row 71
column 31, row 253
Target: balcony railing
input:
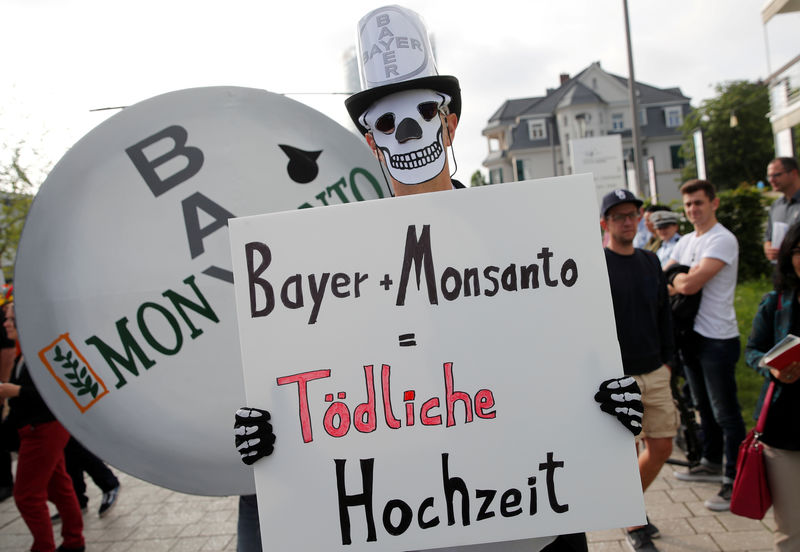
column 784, row 89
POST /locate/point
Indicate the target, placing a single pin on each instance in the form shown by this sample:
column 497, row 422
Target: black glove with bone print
column 622, row 398
column 253, row 434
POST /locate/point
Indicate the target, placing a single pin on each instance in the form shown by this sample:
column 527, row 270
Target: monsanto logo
column 73, row 373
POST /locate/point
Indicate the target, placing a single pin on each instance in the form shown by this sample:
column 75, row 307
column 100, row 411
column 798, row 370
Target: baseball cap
column 616, row 197
column 660, row 219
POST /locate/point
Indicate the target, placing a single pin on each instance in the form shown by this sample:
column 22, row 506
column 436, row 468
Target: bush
column 742, row 212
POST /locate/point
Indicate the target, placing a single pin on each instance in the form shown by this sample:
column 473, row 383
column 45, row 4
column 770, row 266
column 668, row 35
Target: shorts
column 660, row 419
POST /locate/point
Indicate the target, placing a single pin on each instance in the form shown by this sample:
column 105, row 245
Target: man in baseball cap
column 644, row 330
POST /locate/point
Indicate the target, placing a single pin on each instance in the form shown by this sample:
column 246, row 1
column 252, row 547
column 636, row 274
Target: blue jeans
column 711, row 373
column 248, row 537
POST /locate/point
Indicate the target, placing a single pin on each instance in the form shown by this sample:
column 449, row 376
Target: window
column 494, row 144
column 520, row 169
column 643, row 116
column 537, row 129
column 677, row 158
column 673, row 117
column 617, row 122
column 496, row 176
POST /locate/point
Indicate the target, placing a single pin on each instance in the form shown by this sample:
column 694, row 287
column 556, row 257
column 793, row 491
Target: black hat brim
column 359, row 102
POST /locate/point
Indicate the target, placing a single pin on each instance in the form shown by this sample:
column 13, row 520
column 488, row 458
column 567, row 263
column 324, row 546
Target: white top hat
column 394, row 54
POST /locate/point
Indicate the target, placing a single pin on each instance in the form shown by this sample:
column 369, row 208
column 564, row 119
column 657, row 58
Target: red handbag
column 751, row 497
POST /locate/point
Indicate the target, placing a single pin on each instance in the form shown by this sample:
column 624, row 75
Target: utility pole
column 637, row 147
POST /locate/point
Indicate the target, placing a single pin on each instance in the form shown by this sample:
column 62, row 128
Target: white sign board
column 430, row 366
column 123, row 279
column 601, row 156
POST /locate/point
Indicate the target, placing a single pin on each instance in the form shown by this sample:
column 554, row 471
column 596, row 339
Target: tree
column 477, row 179
column 16, row 196
column 737, row 136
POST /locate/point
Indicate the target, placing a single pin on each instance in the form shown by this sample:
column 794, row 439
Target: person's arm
column 762, row 334
column 770, row 252
column 6, row 363
column 9, row 390
column 693, row 281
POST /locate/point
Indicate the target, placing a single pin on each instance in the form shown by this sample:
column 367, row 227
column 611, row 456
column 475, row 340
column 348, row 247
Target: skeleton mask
column 408, row 130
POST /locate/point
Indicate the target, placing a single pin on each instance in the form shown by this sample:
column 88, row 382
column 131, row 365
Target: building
column 783, row 83
column 528, row 138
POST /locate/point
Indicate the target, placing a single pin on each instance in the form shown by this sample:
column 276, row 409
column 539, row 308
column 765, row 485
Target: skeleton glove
column 622, row 398
column 253, row 434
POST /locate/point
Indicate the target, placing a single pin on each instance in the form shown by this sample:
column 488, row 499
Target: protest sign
column 123, row 281
column 430, row 363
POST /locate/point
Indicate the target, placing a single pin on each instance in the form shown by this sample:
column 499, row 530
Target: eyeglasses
column 386, row 122
column 622, row 217
column 775, row 175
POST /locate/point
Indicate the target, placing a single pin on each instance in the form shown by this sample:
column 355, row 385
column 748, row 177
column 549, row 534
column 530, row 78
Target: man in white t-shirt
column 712, row 254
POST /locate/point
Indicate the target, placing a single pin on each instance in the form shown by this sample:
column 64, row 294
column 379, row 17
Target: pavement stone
column 155, row 519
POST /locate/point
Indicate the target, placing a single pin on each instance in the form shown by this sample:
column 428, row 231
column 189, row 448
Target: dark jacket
column 28, row 408
column 772, row 323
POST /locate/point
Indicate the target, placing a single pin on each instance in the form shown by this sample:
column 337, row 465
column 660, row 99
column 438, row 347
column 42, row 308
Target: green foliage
column 733, row 155
column 477, row 179
column 742, row 211
column 16, row 195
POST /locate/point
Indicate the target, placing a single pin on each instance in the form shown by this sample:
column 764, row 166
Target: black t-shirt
column 641, row 309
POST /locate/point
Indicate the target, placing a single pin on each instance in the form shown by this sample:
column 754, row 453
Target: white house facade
column 528, row 137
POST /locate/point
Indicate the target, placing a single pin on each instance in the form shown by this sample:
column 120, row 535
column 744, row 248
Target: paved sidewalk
column 149, row 518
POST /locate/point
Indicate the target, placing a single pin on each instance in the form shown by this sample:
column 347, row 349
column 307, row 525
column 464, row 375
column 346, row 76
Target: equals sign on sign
column 407, row 340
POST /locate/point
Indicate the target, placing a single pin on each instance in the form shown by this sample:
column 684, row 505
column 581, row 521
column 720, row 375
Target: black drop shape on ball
column 302, row 167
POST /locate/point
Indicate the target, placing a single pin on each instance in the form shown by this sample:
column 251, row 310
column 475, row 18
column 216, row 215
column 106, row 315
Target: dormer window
column 537, row 129
column 673, row 117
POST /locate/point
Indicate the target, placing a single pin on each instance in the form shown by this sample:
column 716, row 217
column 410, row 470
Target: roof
column 574, row 92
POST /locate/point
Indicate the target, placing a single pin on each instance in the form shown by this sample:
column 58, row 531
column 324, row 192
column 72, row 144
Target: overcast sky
column 63, row 58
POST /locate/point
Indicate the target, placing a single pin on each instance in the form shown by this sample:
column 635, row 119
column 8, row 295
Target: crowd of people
column 650, row 265
column 703, row 265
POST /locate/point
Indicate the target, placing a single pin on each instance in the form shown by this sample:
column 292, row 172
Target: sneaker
column 722, row 501
column 651, row 530
column 701, row 472
column 63, row 548
column 56, row 518
column 108, row 502
column 639, row 540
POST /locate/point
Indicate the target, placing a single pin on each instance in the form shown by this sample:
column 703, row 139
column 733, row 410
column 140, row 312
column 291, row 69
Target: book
column 783, row 353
